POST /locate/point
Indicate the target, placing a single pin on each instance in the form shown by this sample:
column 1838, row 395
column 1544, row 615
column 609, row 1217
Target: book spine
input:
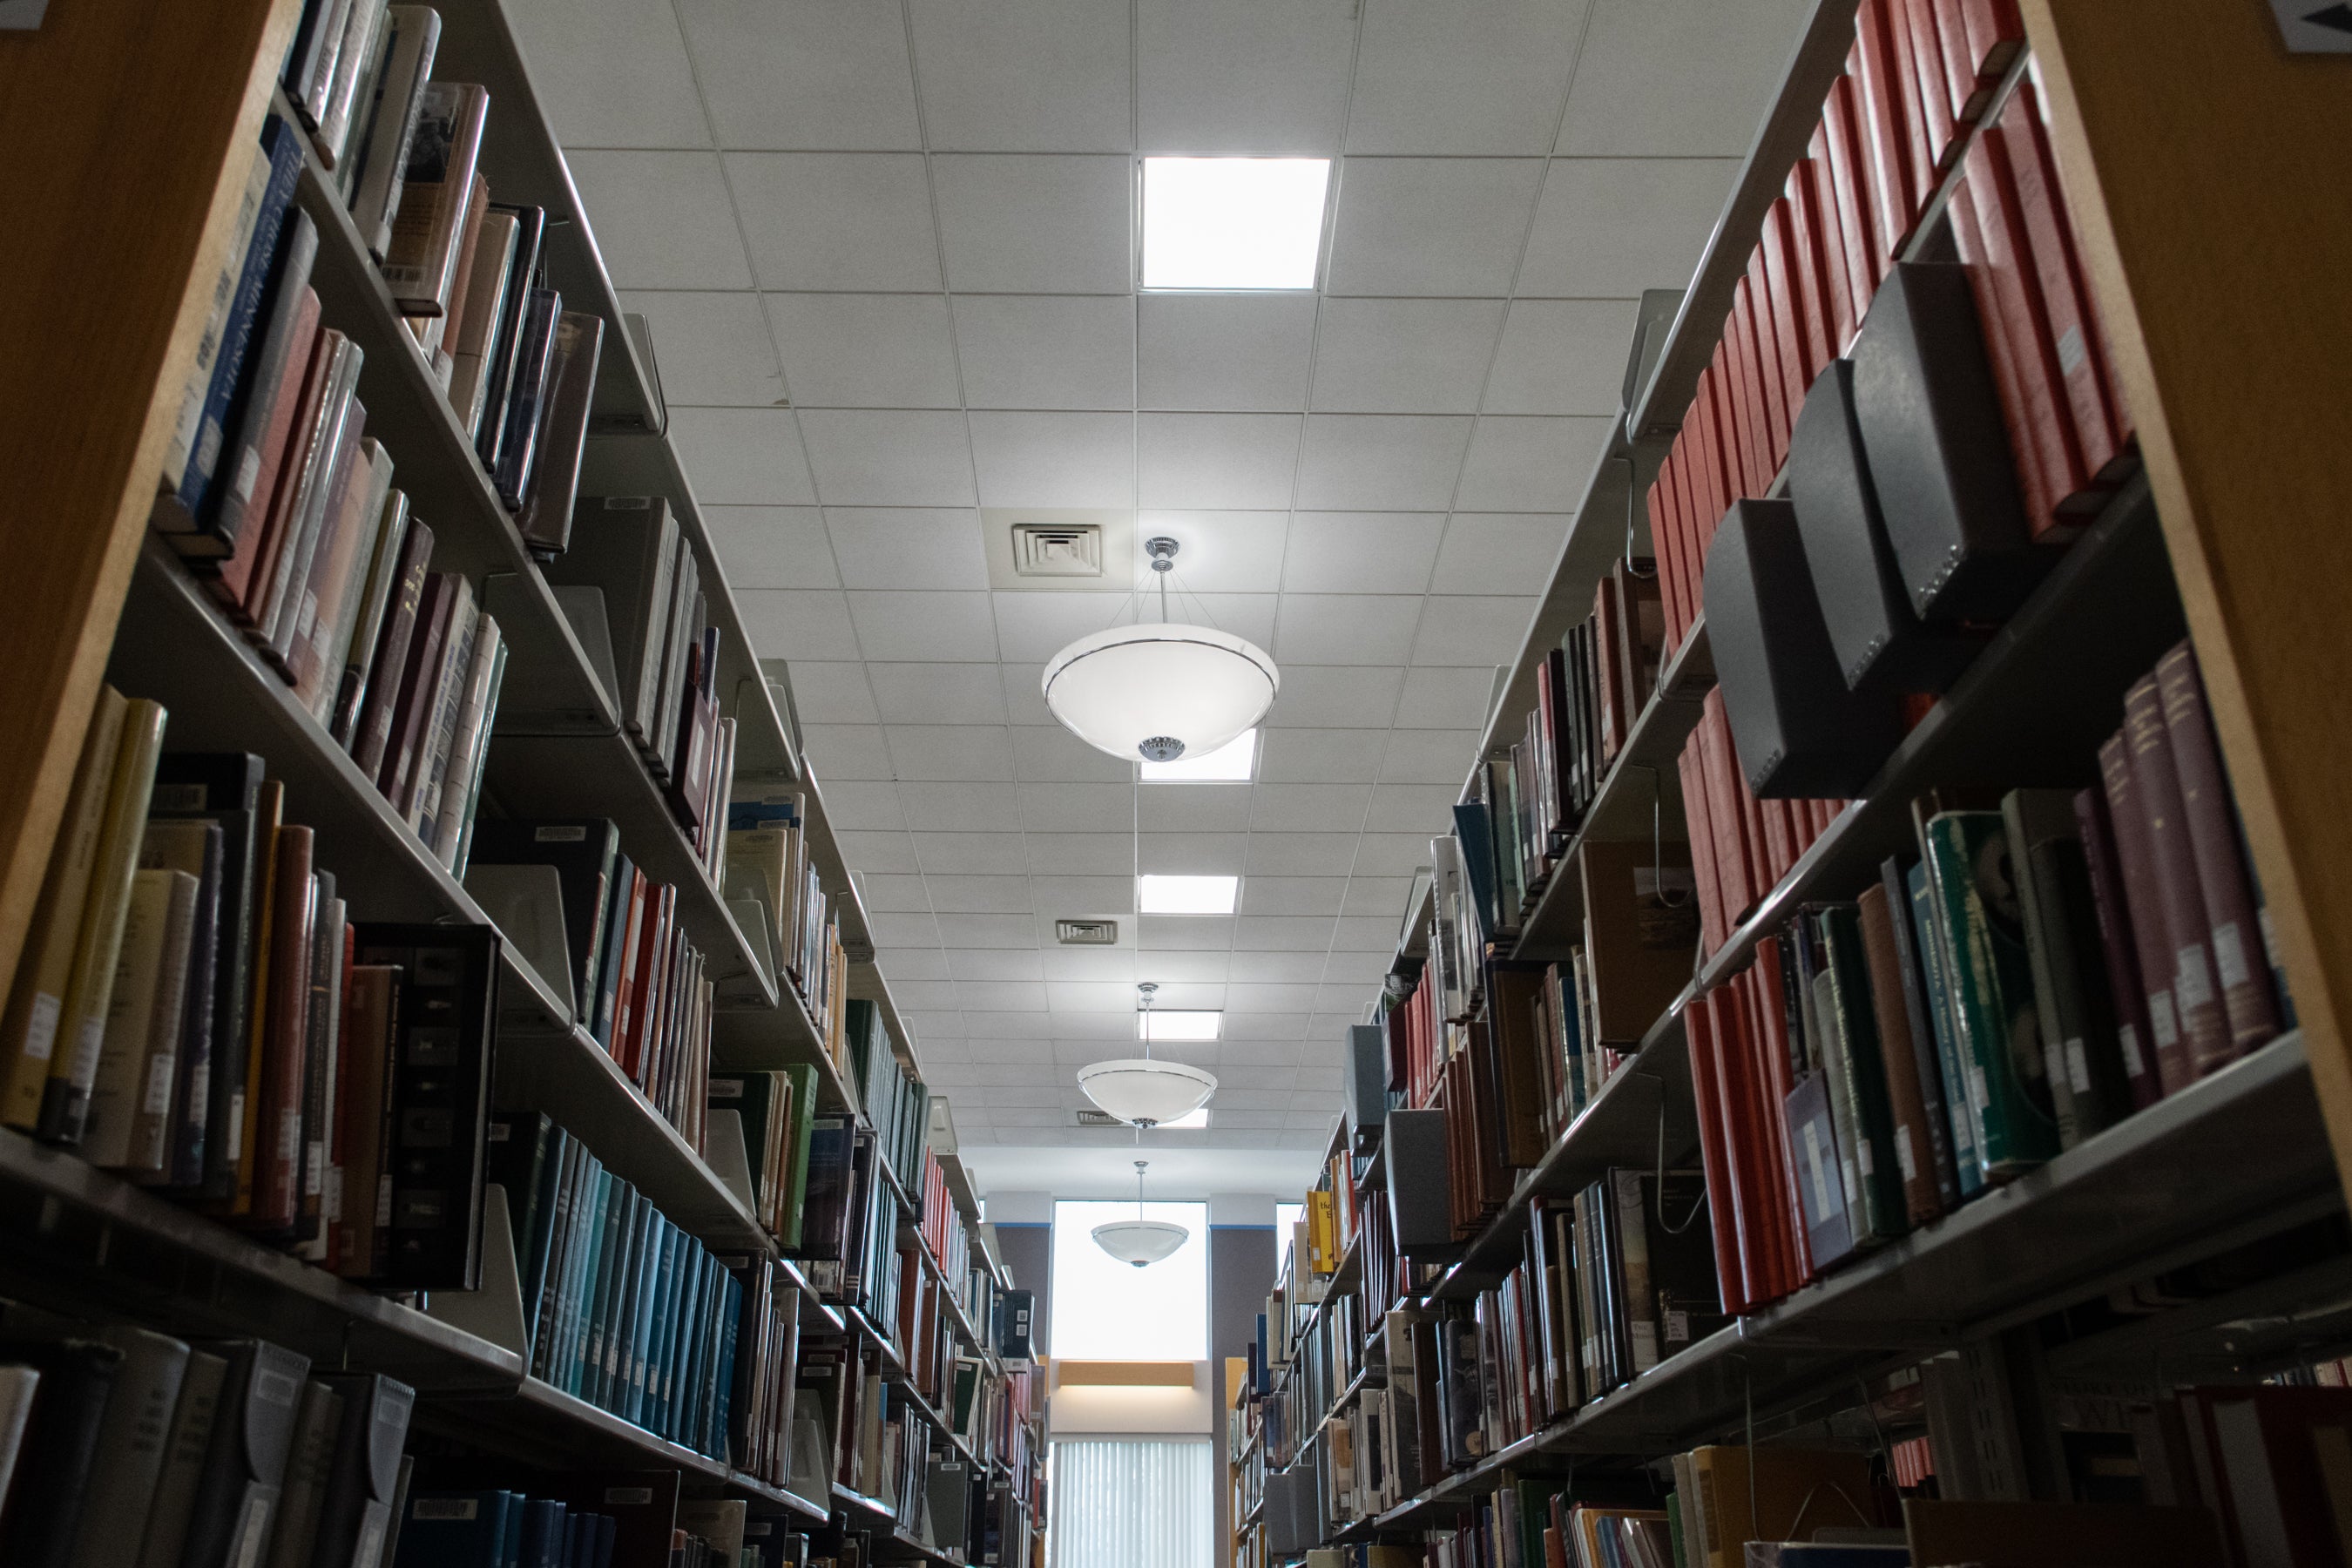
column 1913, row 1142
column 2134, row 1037
column 1993, row 989
column 278, row 1158
column 2144, row 902
column 1961, row 1115
column 2171, row 852
column 175, row 482
column 2035, row 908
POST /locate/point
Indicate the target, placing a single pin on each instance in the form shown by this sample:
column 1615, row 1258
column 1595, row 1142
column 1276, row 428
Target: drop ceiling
column 886, row 249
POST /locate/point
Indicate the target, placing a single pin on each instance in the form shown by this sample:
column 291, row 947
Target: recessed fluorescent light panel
column 1165, row 1026
column 1233, row 223
column 1235, row 761
column 1161, row 895
column 1193, row 1120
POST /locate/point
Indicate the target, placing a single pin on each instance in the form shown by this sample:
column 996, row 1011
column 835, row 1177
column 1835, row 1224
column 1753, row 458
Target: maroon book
column 2180, row 901
column 2136, row 1040
column 419, row 677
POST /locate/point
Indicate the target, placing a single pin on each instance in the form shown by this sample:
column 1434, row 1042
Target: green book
column 801, row 1109
column 2080, row 1050
column 1874, row 1188
column 1960, row 1111
column 1991, row 989
column 1674, row 1528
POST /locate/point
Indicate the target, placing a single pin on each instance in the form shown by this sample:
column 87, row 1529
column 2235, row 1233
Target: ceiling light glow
column 1165, row 1024
column 1233, row 763
column 1158, row 894
column 1233, row 223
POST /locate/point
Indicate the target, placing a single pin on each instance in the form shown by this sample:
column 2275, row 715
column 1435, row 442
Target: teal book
column 455, row 1529
column 1991, row 986
column 1960, row 1112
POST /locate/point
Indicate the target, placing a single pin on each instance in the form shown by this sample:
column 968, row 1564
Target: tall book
column 420, row 262
column 2180, row 897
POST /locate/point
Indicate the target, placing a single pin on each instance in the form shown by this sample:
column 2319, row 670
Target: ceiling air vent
column 1057, row 549
column 1086, row 933
column 1097, row 1118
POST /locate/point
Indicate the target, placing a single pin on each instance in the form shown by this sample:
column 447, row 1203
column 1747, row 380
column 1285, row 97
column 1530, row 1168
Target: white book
column 132, row 1444
column 440, row 732
column 445, row 815
column 355, row 64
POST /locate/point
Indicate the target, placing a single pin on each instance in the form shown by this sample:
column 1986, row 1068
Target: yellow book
column 65, row 1099
column 28, row 1031
column 1322, row 1255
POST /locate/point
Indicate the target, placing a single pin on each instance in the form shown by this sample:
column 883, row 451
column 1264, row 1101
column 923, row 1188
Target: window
column 1284, row 1216
column 1104, row 1309
column 1125, row 1502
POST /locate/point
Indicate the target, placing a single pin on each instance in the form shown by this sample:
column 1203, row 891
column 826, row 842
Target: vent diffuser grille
column 1086, row 933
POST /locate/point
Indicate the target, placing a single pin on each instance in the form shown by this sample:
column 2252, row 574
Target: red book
column 1662, row 544
column 2027, row 437
column 2043, row 413
column 1680, row 554
column 1780, row 1075
column 1926, row 113
column 2196, row 999
column 1747, row 449
column 1752, row 1147
column 2057, row 264
column 1883, row 121
column 1995, row 35
column 1690, row 766
column 2241, row 956
column 1966, row 98
column 1725, row 814
column 1771, row 1066
column 1723, row 1206
column 1784, row 293
column 1780, row 839
column 1850, row 183
column 302, row 383
column 632, row 915
column 1772, row 390
column 1815, row 258
column 1709, row 493
column 1761, row 878
column 1690, row 538
column 1839, row 316
column 2144, row 903
column 277, row 1099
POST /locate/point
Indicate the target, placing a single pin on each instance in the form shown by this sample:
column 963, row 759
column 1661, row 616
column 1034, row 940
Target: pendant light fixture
column 1163, row 689
column 1140, row 1241
column 1143, row 1092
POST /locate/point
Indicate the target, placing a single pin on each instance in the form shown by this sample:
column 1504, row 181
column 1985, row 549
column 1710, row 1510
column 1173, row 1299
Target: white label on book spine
column 2160, row 1021
column 2078, row 1066
column 2191, row 981
column 236, row 1119
column 88, row 1043
column 2127, row 1036
column 2070, row 350
column 444, row 1510
column 252, row 1535
column 290, row 1135
column 1906, row 1161
column 1813, row 1162
column 159, row 1086
column 1862, row 1147
column 2229, row 955
column 41, row 1026
column 1979, row 1096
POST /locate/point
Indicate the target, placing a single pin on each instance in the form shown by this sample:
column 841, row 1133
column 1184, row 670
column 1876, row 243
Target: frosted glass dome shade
column 1141, row 1242
column 1147, row 1093
column 1158, row 690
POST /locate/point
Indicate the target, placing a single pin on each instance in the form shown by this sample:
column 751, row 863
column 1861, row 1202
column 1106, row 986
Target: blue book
column 677, row 1375
column 454, row 1529
column 667, row 1299
column 542, row 1534
column 578, row 1537
column 282, row 144
column 511, row 1553
column 588, row 1340
column 556, row 1328
column 722, row 1386
column 646, row 1296
column 606, row 1529
column 546, row 1230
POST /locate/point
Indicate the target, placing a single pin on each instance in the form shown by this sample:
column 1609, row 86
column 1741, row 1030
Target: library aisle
column 1033, row 783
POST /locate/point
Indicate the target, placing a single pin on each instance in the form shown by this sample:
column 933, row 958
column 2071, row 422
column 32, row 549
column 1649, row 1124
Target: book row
column 1740, row 846
column 592, row 1521
column 198, row 1012
column 2041, row 965
column 772, row 885
column 894, row 1099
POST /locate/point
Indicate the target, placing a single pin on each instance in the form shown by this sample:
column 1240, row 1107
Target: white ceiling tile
column 889, row 457
column 1076, row 807
column 1193, row 854
column 1304, row 854
column 854, row 803
column 969, row 853
column 742, row 457
column 1055, row 459
column 1368, row 969
column 1051, row 754
column 906, row 931
column 1428, row 756
column 1681, row 78
column 1392, row 854
column 1609, row 228
column 1183, row 934
column 922, row 627
column 1029, row 76
column 816, row 73
column 1079, row 854
column 979, row 895
column 1346, row 628
column 1282, row 933
column 1525, row 463
column 1403, row 356
column 1031, row 627
column 1093, row 996
column 962, row 808
column 1092, row 1026
column 797, row 623
column 1562, row 356
column 1046, row 350
column 988, row 931
column 1088, row 964
column 843, row 752
column 917, row 693
column 937, row 1026
column 1249, row 616
column 1443, row 697
column 1277, row 968
column 833, row 693
column 908, row 547
column 1361, row 552
column 1024, row 683
column 1471, row 629
column 611, row 74
column 713, row 348
column 1497, row 552
column 1307, row 807
column 1055, row 897
column 1248, row 1119
column 1383, row 896
column 892, row 895
column 1223, row 551
column 1167, row 967
column 662, row 219
column 1321, row 756
column 1386, row 462
column 912, row 963
column 866, row 351
column 1462, row 77
column 1432, row 226
column 1335, row 697
column 1221, row 461
column 957, row 754
column 1407, row 808
column 1225, row 353
column 993, row 963
column 881, row 852
column 1243, row 76
column 1290, row 896
column 856, row 221
column 773, row 547
column 1193, row 809
column 1034, row 225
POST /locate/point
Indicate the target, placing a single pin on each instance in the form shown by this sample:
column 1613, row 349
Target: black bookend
column 1420, row 1208
column 1801, row 732
column 1931, row 422
column 1881, row 643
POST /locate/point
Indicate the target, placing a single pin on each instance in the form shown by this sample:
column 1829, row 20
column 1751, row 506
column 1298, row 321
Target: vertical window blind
column 1131, row 1503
